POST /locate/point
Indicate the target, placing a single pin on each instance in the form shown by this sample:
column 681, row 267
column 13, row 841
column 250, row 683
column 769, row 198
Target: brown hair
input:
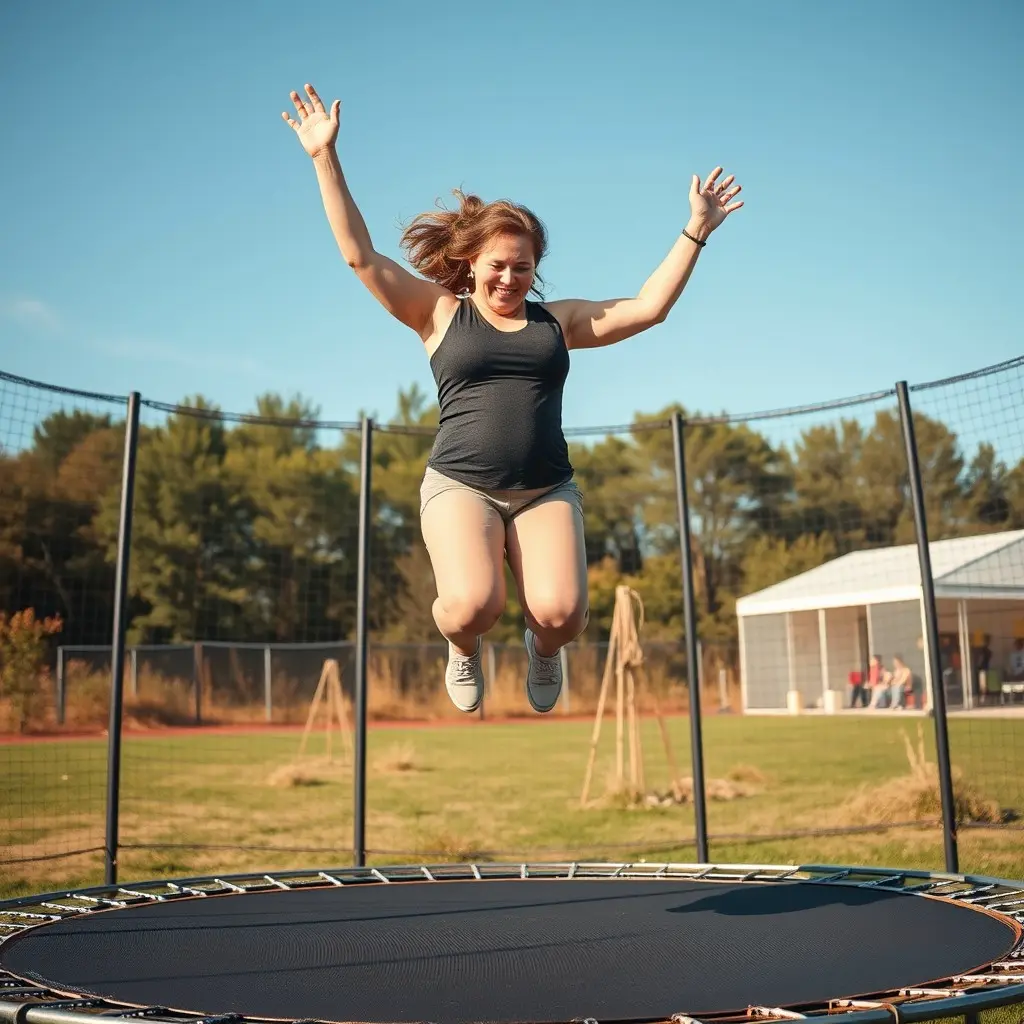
column 440, row 245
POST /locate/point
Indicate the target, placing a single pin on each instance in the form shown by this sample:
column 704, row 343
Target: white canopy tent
column 800, row 639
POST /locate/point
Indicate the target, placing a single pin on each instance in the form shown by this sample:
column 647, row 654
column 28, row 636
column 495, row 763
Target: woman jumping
column 498, row 483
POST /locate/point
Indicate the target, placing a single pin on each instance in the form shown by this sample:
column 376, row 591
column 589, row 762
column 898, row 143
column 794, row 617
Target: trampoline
column 528, row 942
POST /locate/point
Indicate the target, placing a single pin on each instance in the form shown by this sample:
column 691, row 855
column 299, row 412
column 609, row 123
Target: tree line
column 246, row 531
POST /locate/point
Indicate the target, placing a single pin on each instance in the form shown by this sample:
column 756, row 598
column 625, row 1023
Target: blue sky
column 162, row 229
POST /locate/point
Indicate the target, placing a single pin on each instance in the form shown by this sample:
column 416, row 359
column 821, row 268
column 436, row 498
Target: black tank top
column 500, row 395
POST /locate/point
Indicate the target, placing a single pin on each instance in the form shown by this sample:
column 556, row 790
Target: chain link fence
column 240, row 739
column 60, row 485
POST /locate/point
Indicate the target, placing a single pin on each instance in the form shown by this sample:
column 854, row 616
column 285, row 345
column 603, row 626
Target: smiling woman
column 498, row 484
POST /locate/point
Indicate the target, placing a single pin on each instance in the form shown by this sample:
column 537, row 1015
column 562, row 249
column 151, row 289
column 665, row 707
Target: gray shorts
column 508, row 503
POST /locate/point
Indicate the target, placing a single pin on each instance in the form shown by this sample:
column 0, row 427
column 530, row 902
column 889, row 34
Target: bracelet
column 696, row 241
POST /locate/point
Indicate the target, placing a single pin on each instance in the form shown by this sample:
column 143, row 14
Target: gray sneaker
column 543, row 677
column 464, row 678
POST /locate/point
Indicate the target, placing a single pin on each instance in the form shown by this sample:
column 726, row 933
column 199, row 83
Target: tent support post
column 966, row 669
column 823, row 649
column 790, row 660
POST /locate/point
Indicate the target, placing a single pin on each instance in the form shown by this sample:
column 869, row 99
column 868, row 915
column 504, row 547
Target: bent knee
column 473, row 613
column 568, row 620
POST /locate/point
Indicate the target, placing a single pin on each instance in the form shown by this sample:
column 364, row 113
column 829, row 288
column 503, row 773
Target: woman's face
column 503, row 273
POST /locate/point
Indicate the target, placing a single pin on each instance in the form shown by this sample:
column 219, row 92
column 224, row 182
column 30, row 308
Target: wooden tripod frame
column 625, row 663
column 329, row 694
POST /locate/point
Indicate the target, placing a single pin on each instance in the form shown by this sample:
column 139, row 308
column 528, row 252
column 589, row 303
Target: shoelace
column 545, row 670
column 465, row 669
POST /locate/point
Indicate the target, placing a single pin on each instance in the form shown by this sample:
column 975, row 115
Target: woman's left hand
column 712, row 202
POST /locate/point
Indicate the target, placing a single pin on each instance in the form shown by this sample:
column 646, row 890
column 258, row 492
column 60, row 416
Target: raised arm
column 592, row 324
column 409, row 298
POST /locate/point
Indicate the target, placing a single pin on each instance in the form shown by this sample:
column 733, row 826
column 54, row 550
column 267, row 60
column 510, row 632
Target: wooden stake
column 595, row 735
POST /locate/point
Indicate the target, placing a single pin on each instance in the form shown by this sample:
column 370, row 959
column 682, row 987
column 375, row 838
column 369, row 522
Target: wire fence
column 254, row 649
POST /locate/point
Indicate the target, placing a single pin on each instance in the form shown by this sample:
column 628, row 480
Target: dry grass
column 195, row 803
column 399, row 757
column 449, row 846
column 747, row 773
column 742, row 780
column 310, row 774
column 915, row 795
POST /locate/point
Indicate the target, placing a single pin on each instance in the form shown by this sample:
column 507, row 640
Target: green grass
column 492, row 791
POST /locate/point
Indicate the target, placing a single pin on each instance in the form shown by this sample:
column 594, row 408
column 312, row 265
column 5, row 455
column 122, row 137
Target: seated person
column 858, row 693
column 1015, row 663
column 878, row 682
column 901, row 683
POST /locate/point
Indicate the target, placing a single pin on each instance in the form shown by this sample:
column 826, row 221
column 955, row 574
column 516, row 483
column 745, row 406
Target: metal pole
column 124, row 547
column 268, row 695
column 198, row 675
column 362, row 599
column 823, row 654
column 61, row 699
column 692, row 657
column 949, row 823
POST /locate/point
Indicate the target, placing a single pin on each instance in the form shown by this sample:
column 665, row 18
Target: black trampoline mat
column 512, row 950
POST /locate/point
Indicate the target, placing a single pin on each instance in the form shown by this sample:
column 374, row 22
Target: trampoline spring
column 427, row 874
column 230, row 885
column 379, row 875
column 837, row 876
column 64, row 909
column 988, row 979
column 865, row 1004
column 143, row 895
column 776, row 1012
column 1007, row 903
column 137, row 1011
column 186, row 890
column 978, row 894
column 67, row 1004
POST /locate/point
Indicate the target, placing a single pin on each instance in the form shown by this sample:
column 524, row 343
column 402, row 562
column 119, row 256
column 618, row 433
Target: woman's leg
column 465, row 539
column 547, row 555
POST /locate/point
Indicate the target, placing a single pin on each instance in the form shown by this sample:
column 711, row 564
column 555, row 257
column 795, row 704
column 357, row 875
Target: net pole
column 949, row 839
column 362, row 598
column 124, row 545
column 692, row 655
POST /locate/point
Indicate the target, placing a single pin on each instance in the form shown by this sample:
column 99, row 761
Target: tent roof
column 989, row 565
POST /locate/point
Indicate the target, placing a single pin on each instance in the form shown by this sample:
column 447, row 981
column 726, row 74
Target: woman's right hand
column 317, row 130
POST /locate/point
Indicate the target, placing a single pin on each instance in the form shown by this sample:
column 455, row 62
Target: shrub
column 24, row 677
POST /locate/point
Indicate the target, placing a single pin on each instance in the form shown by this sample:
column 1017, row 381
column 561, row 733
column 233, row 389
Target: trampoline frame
column 1001, row 983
